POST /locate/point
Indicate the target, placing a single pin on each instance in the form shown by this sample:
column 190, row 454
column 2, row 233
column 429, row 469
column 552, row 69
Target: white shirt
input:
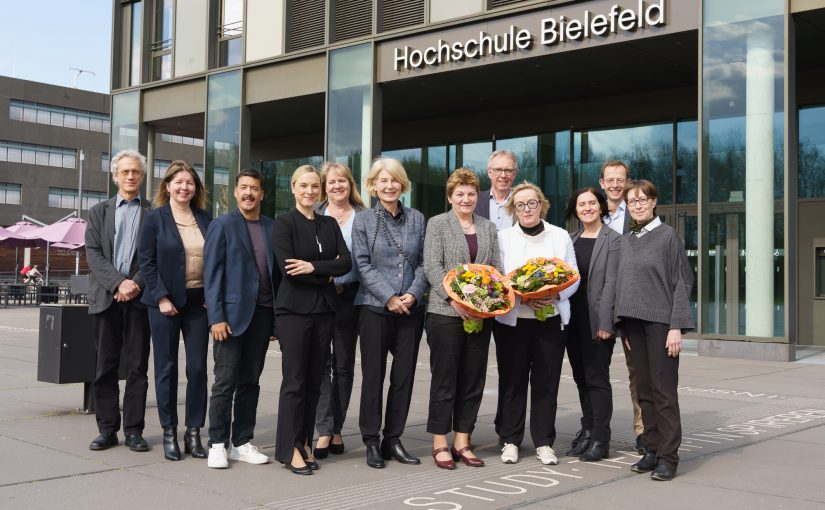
column 615, row 220
column 650, row 226
column 498, row 215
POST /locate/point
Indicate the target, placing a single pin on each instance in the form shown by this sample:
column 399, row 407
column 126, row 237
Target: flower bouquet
column 541, row 277
column 480, row 289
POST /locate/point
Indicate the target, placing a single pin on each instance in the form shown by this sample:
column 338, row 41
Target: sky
column 42, row 39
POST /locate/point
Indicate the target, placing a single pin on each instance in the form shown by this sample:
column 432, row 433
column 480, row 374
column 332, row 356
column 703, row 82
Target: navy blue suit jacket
column 161, row 255
column 230, row 273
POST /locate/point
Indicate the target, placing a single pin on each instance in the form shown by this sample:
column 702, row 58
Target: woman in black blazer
column 171, row 261
column 591, row 337
column 310, row 251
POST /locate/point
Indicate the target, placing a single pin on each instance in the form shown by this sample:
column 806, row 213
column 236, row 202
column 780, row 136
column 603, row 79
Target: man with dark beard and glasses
column 240, row 281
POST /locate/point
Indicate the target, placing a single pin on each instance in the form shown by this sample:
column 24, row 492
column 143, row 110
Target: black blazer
column 161, row 255
column 100, row 238
column 296, row 237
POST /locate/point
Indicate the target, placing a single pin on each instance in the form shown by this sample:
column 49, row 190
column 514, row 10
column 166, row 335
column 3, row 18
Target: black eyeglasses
column 505, row 171
column 530, row 204
column 642, row 202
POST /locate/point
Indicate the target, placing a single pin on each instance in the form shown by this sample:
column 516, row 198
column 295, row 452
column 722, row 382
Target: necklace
column 341, row 218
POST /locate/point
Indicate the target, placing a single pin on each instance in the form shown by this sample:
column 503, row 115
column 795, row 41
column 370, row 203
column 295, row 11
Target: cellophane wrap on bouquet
column 541, row 277
column 480, row 289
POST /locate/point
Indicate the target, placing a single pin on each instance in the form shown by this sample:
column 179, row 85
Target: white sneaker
column 248, row 453
column 217, row 457
column 546, row 455
column 509, row 454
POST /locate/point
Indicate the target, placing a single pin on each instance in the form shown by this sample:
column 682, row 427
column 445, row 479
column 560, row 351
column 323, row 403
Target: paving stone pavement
column 754, row 437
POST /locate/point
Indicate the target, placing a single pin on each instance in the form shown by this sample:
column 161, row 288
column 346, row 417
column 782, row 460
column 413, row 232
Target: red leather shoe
column 469, row 461
column 443, row 464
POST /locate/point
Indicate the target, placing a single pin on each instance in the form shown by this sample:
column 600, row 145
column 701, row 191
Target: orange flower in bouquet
column 480, row 289
column 541, row 277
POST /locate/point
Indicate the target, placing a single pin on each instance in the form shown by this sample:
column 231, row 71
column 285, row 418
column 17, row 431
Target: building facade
column 721, row 103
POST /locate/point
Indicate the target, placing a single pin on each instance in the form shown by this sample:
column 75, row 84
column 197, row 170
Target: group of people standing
column 332, row 275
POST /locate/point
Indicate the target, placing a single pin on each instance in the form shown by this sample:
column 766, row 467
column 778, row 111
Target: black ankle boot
column 171, row 450
column 192, row 443
column 598, row 450
column 581, row 443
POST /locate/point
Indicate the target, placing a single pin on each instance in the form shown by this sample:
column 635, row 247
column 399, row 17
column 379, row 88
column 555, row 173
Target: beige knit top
column 192, row 239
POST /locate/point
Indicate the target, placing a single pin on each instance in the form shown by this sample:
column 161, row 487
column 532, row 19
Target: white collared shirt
column 615, row 220
column 498, row 215
column 650, row 226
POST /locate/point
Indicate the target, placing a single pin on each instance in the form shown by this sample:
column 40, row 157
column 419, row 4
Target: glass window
column 95, row 124
column 105, row 162
column 744, row 260
column 43, row 117
column 230, row 40
column 135, row 31
column 223, row 126
column 9, row 193
column 125, row 118
column 29, row 115
column 276, row 174
column 57, row 119
column 83, row 123
column 687, row 161
column 3, row 153
column 15, row 112
column 812, row 152
column 28, row 156
column 69, row 161
column 69, row 120
column 473, row 155
column 554, row 173
column 14, row 155
column 526, row 150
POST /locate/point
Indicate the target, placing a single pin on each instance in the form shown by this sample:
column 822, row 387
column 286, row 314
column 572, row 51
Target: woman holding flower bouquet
column 591, row 337
column 530, row 339
column 653, row 305
column 458, row 359
column 388, row 247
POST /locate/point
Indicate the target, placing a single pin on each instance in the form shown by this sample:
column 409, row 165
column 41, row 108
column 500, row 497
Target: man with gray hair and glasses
column 502, row 168
column 121, row 321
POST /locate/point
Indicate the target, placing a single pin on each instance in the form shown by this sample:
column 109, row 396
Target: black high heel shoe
column 336, row 449
column 192, row 443
column 311, row 464
column 171, row 450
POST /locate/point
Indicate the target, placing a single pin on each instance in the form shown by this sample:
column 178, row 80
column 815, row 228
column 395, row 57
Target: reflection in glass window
column 43, row 117
column 160, row 168
column 105, row 162
column 134, row 42
column 9, row 193
column 18, row 152
column 15, row 112
column 59, row 116
column 812, row 152
column 161, row 47
column 66, row 198
column 230, row 33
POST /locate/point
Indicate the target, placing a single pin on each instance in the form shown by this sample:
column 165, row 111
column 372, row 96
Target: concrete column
column 759, row 169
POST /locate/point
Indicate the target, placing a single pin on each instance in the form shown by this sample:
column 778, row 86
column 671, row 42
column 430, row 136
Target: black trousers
column 532, row 351
column 339, row 371
column 458, row 363
column 304, row 343
column 590, row 360
column 123, row 328
column 191, row 321
column 657, row 377
column 239, row 361
column 401, row 336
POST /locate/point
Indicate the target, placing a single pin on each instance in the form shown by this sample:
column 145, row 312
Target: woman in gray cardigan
column 653, row 306
column 591, row 337
column 388, row 248
column 458, row 360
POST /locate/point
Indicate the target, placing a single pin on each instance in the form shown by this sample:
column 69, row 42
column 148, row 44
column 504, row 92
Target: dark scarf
column 637, row 226
column 534, row 230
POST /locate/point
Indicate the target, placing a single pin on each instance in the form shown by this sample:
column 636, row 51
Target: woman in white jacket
column 529, row 350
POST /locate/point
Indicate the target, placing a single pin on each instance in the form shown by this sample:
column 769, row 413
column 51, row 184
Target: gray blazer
column 483, row 205
column 100, row 237
column 445, row 248
column 601, row 278
column 384, row 271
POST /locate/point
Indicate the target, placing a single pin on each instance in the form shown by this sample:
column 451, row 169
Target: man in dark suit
column 121, row 322
column 240, row 295
column 502, row 167
column 614, row 175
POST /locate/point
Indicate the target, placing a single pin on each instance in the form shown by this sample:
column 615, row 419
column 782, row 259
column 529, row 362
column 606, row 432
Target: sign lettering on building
column 551, row 31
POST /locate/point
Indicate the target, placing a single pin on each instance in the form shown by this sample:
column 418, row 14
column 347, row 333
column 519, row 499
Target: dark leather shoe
column 663, row 472
column 311, row 463
column 136, row 443
column 192, row 443
column 398, row 453
column 641, row 446
column 304, row 470
column 598, row 450
column 171, row 449
column 580, row 444
column 104, row 441
column 443, row 464
column 374, row 459
column 321, row 453
column 467, row 460
column 645, row 464
column 336, row 449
